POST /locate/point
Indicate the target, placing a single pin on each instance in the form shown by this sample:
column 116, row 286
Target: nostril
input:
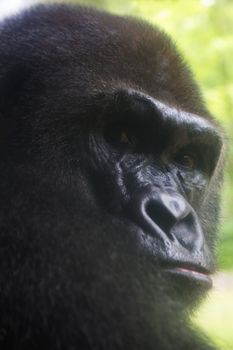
column 166, row 210
column 167, row 216
column 189, row 232
column 160, row 215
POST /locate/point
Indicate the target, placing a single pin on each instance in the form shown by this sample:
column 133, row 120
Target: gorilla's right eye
column 187, row 160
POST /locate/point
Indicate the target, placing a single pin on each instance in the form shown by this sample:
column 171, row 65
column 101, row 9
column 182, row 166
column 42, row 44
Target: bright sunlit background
column 203, row 30
column 8, row 7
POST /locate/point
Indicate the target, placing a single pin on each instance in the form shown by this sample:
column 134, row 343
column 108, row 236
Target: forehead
column 77, row 48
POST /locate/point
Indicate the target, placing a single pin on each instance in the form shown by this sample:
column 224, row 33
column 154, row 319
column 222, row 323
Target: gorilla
column 110, row 167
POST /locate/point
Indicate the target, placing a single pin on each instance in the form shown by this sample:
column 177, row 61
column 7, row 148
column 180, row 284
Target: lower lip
column 196, row 276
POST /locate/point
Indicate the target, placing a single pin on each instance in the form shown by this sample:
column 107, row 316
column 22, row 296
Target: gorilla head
column 110, row 165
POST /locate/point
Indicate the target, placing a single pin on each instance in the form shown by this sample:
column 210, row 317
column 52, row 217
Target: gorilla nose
column 168, row 216
column 166, row 210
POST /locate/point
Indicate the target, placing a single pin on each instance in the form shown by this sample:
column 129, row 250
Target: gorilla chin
column 111, row 167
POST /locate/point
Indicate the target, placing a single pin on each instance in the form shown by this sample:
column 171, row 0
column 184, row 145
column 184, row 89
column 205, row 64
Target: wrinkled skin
column 110, row 171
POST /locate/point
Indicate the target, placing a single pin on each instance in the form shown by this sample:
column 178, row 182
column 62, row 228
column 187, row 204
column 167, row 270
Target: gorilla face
column 110, row 165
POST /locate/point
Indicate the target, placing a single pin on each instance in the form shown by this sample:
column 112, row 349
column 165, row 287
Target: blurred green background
column 203, row 31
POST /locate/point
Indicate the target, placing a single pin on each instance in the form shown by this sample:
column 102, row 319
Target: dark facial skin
column 110, row 171
column 152, row 167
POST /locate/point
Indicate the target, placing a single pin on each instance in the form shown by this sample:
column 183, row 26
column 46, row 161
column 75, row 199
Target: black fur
column 95, row 110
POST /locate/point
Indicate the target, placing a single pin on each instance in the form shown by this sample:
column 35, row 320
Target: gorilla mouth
column 193, row 273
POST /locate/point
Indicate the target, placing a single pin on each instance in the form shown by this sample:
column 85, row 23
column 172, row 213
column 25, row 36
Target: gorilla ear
column 12, row 86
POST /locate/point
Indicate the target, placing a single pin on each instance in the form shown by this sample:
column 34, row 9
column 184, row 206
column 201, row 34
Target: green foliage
column 226, row 246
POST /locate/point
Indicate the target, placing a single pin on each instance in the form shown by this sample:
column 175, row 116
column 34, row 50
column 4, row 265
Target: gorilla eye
column 119, row 136
column 124, row 138
column 187, row 160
